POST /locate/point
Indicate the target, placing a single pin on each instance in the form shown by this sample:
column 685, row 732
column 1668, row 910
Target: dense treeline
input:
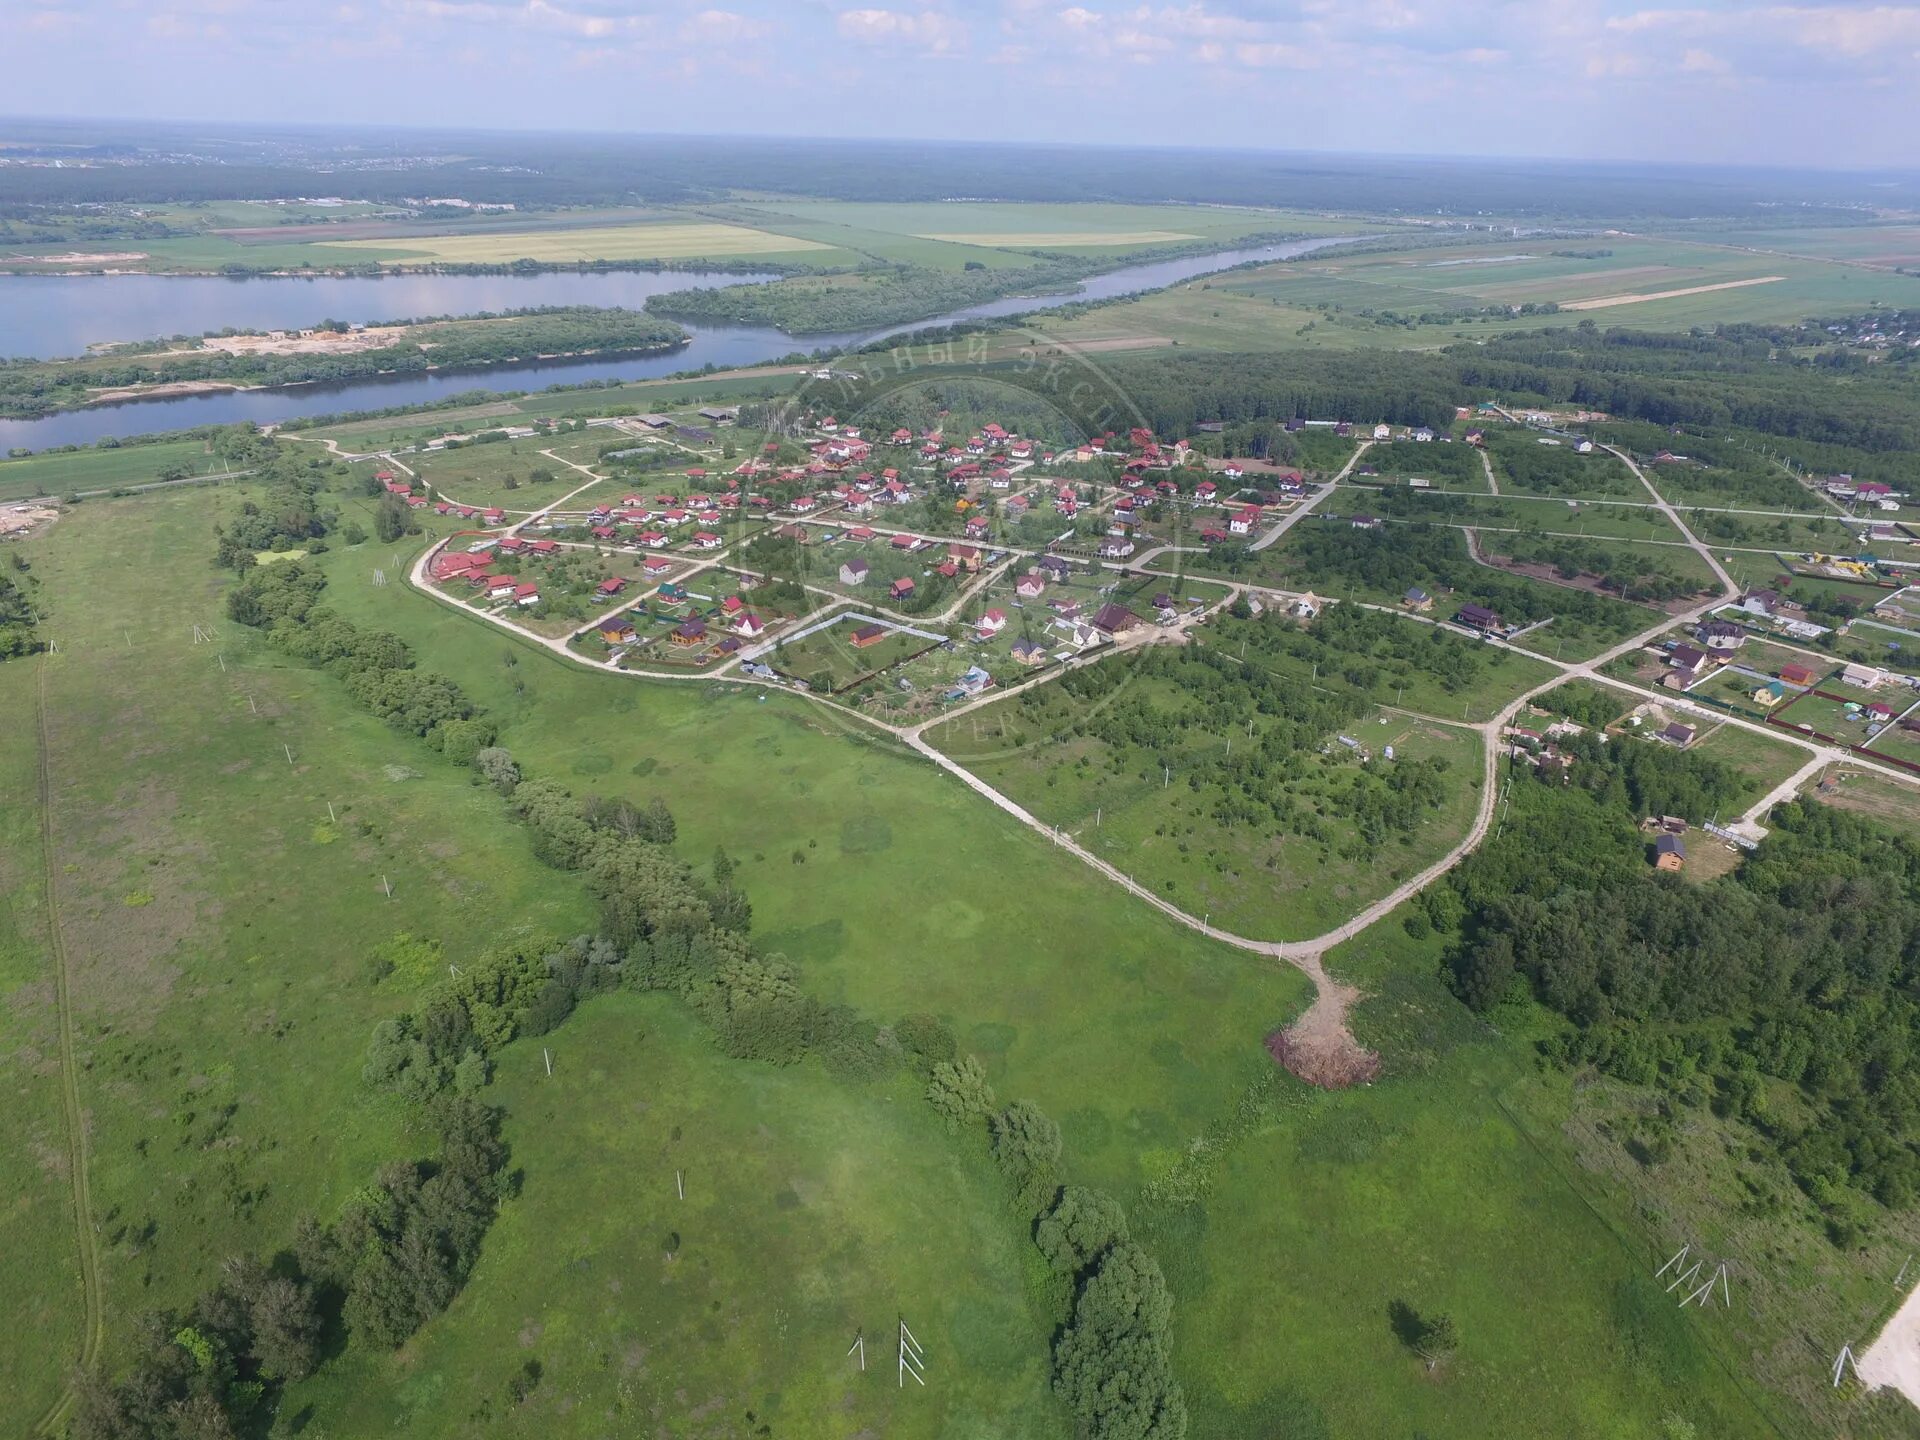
column 289, row 516
column 895, row 295
column 1781, row 995
column 37, row 387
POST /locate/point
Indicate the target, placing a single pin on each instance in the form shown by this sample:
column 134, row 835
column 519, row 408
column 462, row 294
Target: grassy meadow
column 216, row 918
column 654, row 240
column 63, row 473
column 894, row 888
column 41, row 1303
column 815, row 1210
column 1445, row 1187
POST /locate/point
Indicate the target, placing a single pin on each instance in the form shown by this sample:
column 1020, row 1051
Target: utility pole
column 912, row 1362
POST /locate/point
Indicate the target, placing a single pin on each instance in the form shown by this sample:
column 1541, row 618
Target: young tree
column 1112, row 1364
column 1438, row 1340
column 286, row 1329
column 959, row 1091
column 1081, row 1226
column 1027, row 1145
column 391, row 518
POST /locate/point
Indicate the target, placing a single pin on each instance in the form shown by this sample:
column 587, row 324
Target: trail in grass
column 86, row 1247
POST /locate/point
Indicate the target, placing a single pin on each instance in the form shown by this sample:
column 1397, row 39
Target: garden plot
column 1534, row 464
column 846, row 649
column 1448, row 465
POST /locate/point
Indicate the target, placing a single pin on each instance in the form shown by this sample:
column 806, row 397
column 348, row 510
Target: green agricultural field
column 815, row 1211
column 1650, row 284
column 63, row 473
column 1268, row 848
column 1081, row 228
column 1424, row 298
column 1887, row 244
column 658, row 240
column 216, row 918
column 1203, row 315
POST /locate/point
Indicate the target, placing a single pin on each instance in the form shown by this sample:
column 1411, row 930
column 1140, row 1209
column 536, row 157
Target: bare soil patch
column 19, row 521
column 313, row 342
column 1319, row 1048
column 1607, row 302
column 154, row 392
column 83, row 257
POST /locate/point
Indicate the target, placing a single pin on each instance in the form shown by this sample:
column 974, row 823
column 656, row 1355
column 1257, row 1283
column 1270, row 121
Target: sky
column 1817, row 83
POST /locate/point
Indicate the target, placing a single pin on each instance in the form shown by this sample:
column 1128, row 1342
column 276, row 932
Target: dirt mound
column 1332, row 1060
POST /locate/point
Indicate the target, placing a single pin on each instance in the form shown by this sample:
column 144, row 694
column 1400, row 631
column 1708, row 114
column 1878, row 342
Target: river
column 55, row 315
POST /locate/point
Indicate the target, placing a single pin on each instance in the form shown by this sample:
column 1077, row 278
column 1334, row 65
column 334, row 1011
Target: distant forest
column 553, row 170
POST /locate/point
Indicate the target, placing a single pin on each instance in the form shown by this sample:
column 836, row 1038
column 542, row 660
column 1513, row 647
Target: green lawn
column 815, row 1210
column 479, row 475
column 831, row 653
column 1764, row 763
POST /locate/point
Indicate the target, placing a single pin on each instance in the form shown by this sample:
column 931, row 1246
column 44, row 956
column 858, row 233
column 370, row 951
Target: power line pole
column 912, row 1362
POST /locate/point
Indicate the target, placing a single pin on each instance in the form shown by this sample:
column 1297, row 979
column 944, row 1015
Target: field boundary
column 86, row 1246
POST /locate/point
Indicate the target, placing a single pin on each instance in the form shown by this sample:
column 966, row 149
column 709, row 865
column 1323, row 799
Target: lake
column 61, row 314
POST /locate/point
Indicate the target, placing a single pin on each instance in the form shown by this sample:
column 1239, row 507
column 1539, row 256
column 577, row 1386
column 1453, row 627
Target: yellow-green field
column 623, row 242
column 1059, row 238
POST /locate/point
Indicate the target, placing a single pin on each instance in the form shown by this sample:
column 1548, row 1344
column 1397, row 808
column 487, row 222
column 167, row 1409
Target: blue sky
column 1811, row 83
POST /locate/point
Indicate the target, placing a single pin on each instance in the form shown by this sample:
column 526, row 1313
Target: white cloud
column 1704, row 62
column 930, row 31
column 722, row 27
